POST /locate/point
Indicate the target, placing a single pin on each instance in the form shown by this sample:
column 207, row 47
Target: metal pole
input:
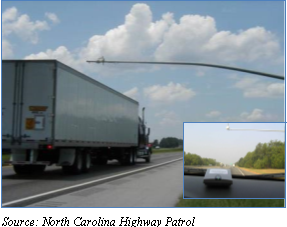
column 102, row 60
column 262, row 130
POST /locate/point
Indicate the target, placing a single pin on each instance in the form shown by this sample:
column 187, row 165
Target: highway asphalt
column 162, row 174
column 241, row 172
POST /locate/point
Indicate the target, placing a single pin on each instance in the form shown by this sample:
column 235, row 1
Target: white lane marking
column 87, row 183
column 240, row 171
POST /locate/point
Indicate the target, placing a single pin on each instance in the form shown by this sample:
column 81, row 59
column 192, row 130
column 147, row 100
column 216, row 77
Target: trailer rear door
column 30, row 101
column 8, row 88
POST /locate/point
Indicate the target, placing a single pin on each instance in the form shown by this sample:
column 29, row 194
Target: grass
column 5, row 157
column 264, row 171
column 230, row 203
column 165, row 150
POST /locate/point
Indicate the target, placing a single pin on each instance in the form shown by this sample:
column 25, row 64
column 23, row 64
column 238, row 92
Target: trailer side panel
column 89, row 113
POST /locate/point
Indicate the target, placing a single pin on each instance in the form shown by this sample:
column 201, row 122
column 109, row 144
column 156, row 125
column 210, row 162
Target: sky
column 212, row 140
column 241, row 34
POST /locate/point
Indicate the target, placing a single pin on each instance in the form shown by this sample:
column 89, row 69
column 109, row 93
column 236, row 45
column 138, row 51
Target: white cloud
column 52, row 17
column 168, row 118
column 137, row 38
column 185, row 40
column 132, row 93
column 249, row 45
column 193, row 38
column 173, row 92
column 196, row 38
column 9, row 15
column 7, row 50
column 60, row 53
column 21, row 25
column 254, row 88
column 256, row 115
column 213, row 113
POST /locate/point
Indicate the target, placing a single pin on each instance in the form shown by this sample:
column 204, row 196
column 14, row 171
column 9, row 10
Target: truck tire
column 86, row 162
column 135, row 156
column 67, row 169
column 148, row 158
column 101, row 160
column 128, row 159
column 78, row 164
column 20, row 169
column 77, row 167
column 29, row 169
column 132, row 158
column 39, row 168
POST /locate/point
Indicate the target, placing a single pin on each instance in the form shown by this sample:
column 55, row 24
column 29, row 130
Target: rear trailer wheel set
column 78, row 161
column 82, row 164
column 128, row 158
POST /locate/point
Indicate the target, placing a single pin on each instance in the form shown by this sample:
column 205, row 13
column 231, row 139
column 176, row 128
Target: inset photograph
column 234, row 160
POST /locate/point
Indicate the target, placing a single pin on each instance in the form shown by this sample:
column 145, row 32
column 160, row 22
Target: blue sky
column 212, row 140
column 242, row 34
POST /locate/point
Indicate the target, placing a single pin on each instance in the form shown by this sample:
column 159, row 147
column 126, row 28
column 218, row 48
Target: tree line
column 194, row 159
column 265, row 155
column 168, row 142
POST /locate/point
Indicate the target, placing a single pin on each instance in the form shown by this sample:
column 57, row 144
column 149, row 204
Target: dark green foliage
column 170, row 142
column 194, row 159
column 155, row 143
column 267, row 155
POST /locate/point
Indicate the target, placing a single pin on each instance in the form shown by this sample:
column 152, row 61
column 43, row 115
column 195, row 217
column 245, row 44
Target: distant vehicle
column 53, row 114
column 157, row 147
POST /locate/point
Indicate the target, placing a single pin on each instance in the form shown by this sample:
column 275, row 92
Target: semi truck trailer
column 53, row 114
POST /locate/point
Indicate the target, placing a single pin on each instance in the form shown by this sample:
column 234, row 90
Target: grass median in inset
column 230, row 203
column 166, row 150
column 264, row 171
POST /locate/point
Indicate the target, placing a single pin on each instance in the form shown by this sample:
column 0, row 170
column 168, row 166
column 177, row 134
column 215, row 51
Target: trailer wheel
column 78, row 164
column 101, row 160
column 132, row 157
column 67, row 169
column 20, row 169
column 77, row 167
column 128, row 159
column 29, row 169
column 39, row 168
column 86, row 162
column 135, row 156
